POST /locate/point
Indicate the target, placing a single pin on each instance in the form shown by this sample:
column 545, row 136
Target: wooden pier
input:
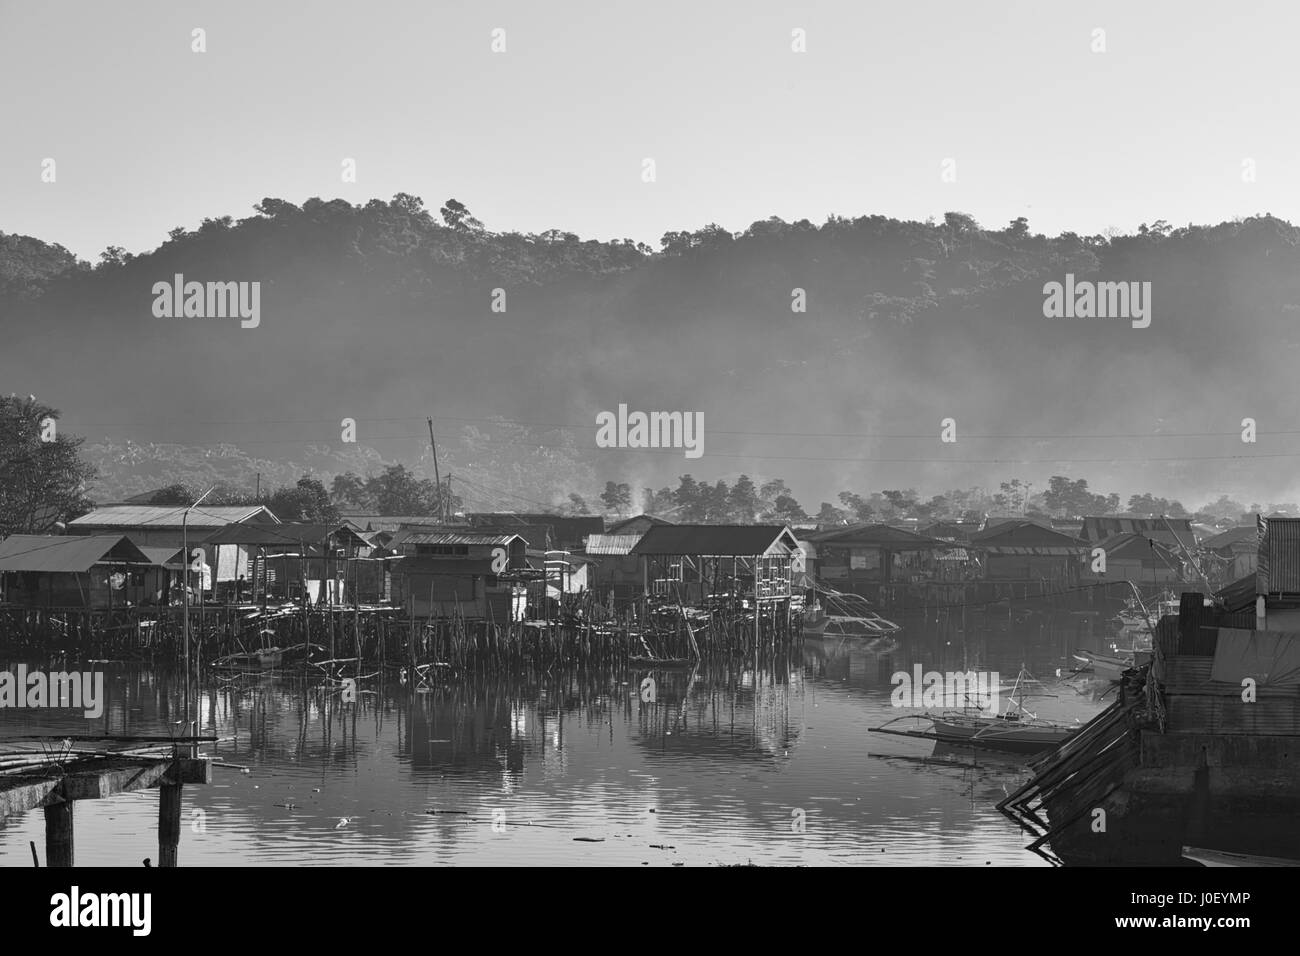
column 55, row 778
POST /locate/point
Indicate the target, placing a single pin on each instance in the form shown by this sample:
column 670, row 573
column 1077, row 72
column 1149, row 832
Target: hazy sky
column 148, row 135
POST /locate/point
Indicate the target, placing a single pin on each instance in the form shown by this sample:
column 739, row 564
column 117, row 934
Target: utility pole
column 185, row 612
column 449, row 514
column 437, row 479
column 258, row 496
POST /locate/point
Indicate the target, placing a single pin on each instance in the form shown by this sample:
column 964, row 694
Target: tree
column 859, row 507
column 305, row 501
column 743, row 500
column 352, row 490
column 657, row 502
column 786, row 509
column 690, row 504
column 398, row 491
column 173, row 495
column 1148, row 504
column 457, row 217
column 830, row 515
column 715, row 502
column 577, row 504
column 617, row 497
column 42, row 476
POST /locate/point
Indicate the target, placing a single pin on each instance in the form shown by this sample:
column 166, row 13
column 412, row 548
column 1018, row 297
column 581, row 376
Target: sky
column 147, row 134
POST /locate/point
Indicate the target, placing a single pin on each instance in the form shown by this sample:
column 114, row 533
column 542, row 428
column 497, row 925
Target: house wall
column 1031, row 567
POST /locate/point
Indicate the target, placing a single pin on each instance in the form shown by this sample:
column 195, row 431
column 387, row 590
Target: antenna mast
column 442, row 509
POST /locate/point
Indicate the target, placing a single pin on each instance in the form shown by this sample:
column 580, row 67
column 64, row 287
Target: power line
column 716, row 431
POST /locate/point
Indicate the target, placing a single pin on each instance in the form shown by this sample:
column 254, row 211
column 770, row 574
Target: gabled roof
column 1246, row 534
column 368, row 521
column 617, row 526
column 956, row 530
column 1014, row 536
column 877, row 536
column 171, row 516
column 67, row 553
column 1168, row 531
column 723, row 540
column 611, row 543
column 564, row 527
column 1145, row 547
column 289, row 534
column 164, row 557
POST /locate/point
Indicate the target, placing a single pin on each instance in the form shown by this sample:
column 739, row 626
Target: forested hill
column 383, row 312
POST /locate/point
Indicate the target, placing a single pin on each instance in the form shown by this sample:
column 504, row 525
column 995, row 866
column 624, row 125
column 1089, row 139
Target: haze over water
column 720, row 769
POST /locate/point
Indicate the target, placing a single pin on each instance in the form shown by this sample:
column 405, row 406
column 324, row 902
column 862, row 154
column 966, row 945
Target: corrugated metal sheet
column 728, row 540
column 453, row 537
column 1279, row 556
column 1171, row 532
column 66, row 554
column 151, row 516
column 611, row 543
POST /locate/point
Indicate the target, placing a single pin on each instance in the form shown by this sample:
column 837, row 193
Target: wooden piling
column 58, row 834
column 169, row 822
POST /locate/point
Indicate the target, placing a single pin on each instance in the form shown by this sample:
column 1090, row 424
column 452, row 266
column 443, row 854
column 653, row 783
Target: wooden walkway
column 54, row 778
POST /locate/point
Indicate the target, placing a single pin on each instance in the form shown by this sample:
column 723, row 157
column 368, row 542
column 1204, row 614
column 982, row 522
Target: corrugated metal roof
column 877, row 535
column 611, row 543
column 649, row 520
column 67, row 553
column 151, row 516
column 1246, row 534
column 1024, row 534
column 454, row 537
column 282, row 535
column 955, row 554
column 1168, row 531
column 726, row 540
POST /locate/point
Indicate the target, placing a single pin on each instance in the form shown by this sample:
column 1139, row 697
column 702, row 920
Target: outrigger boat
column 1224, row 858
column 1016, row 731
column 1109, row 667
column 836, row 614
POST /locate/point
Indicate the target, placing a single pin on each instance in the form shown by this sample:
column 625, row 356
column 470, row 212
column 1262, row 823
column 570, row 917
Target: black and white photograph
column 715, row 435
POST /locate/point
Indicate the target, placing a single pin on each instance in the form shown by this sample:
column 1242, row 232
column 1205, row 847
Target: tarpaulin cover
column 1272, row 658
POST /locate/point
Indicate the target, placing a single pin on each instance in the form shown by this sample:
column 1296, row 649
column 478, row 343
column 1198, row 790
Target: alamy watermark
column 208, row 300
column 651, row 430
column 1086, row 299
column 950, row 689
column 21, row 688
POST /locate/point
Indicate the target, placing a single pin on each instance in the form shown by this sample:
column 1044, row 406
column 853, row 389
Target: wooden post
column 58, row 834
column 169, row 822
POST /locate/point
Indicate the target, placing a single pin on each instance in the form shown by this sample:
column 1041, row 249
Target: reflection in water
column 725, row 763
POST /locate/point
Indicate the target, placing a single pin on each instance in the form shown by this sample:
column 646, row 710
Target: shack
column 84, row 571
column 614, row 567
column 445, row 573
column 1141, row 560
column 860, row 558
column 1024, row 551
column 699, row 564
column 260, row 562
